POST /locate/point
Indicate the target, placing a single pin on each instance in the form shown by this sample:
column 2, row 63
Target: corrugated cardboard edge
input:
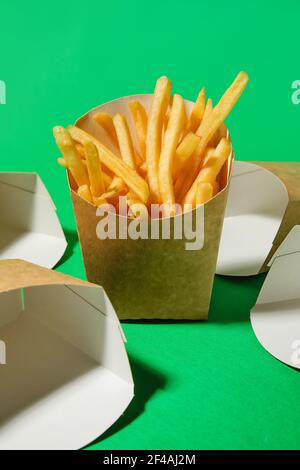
column 289, row 174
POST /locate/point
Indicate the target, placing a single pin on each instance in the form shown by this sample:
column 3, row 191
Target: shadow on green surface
column 233, row 298
column 146, row 382
column 72, row 240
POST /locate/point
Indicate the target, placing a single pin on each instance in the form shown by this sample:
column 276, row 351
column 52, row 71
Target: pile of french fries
column 177, row 160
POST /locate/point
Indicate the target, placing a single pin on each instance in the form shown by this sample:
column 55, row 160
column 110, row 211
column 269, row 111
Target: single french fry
column 142, row 169
column 132, row 179
column 138, row 159
column 208, row 109
column 197, row 113
column 211, row 169
column 110, row 194
column 159, row 106
column 106, row 122
column 107, row 179
column 117, row 184
column 140, row 120
column 218, row 135
column 124, row 139
column 216, row 187
column 204, row 192
column 99, row 201
column 71, row 155
column 84, row 192
column 80, row 150
column 209, row 153
column 94, row 169
column 171, row 138
column 184, row 151
column 62, row 162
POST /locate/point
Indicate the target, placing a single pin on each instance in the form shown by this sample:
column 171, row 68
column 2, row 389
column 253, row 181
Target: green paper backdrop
column 204, row 385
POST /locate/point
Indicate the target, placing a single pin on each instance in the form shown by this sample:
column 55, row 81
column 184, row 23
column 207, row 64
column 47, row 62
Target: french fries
column 115, row 164
column 184, row 151
column 106, row 122
column 140, row 120
column 94, row 169
column 84, row 192
column 211, row 169
column 124, row 139
column 71, row 155
column 204, row 192
column 197, row 113
column 178, row 159
column 159, row 107
column 171, row 138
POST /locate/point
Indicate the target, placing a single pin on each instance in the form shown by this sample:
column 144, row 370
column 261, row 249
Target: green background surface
column 198, row 385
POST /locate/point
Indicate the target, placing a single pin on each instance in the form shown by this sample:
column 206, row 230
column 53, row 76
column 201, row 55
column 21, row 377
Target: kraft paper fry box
column 30, row 229
column 64, row 373
column 153, row 278
column 263, row 206
column 275, row 319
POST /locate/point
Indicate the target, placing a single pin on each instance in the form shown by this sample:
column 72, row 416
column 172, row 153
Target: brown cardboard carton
column 152, row 278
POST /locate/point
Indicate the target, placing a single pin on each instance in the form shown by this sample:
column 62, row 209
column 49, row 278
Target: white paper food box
column 30, row 229
column 263, row 206
column 64, row 372
column 275, row 318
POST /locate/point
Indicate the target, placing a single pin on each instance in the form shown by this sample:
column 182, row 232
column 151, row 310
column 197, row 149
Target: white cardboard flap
column 275, row 318
column 67, row 377
column 119, row 105
column 257, row 201
column 30, row 229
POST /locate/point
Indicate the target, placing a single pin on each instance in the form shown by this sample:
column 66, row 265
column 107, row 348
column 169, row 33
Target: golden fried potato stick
column 197, row 113
column 71, row 155
column 107, row 179
column 142, row 169
column 171, row 138
column 132, row 179
column 94, row 169
column 140, row 120
column 80, row 150
column 106, row 122
column 98, row 201
column 184, row 151
column 211, row 169
column 218, row 135
column 124, row 139
column 62, row 162
column 117, row 184
column 216, row 187
column 84, row 192
column 207, row 111
column 159, row 106
column 204, row 192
